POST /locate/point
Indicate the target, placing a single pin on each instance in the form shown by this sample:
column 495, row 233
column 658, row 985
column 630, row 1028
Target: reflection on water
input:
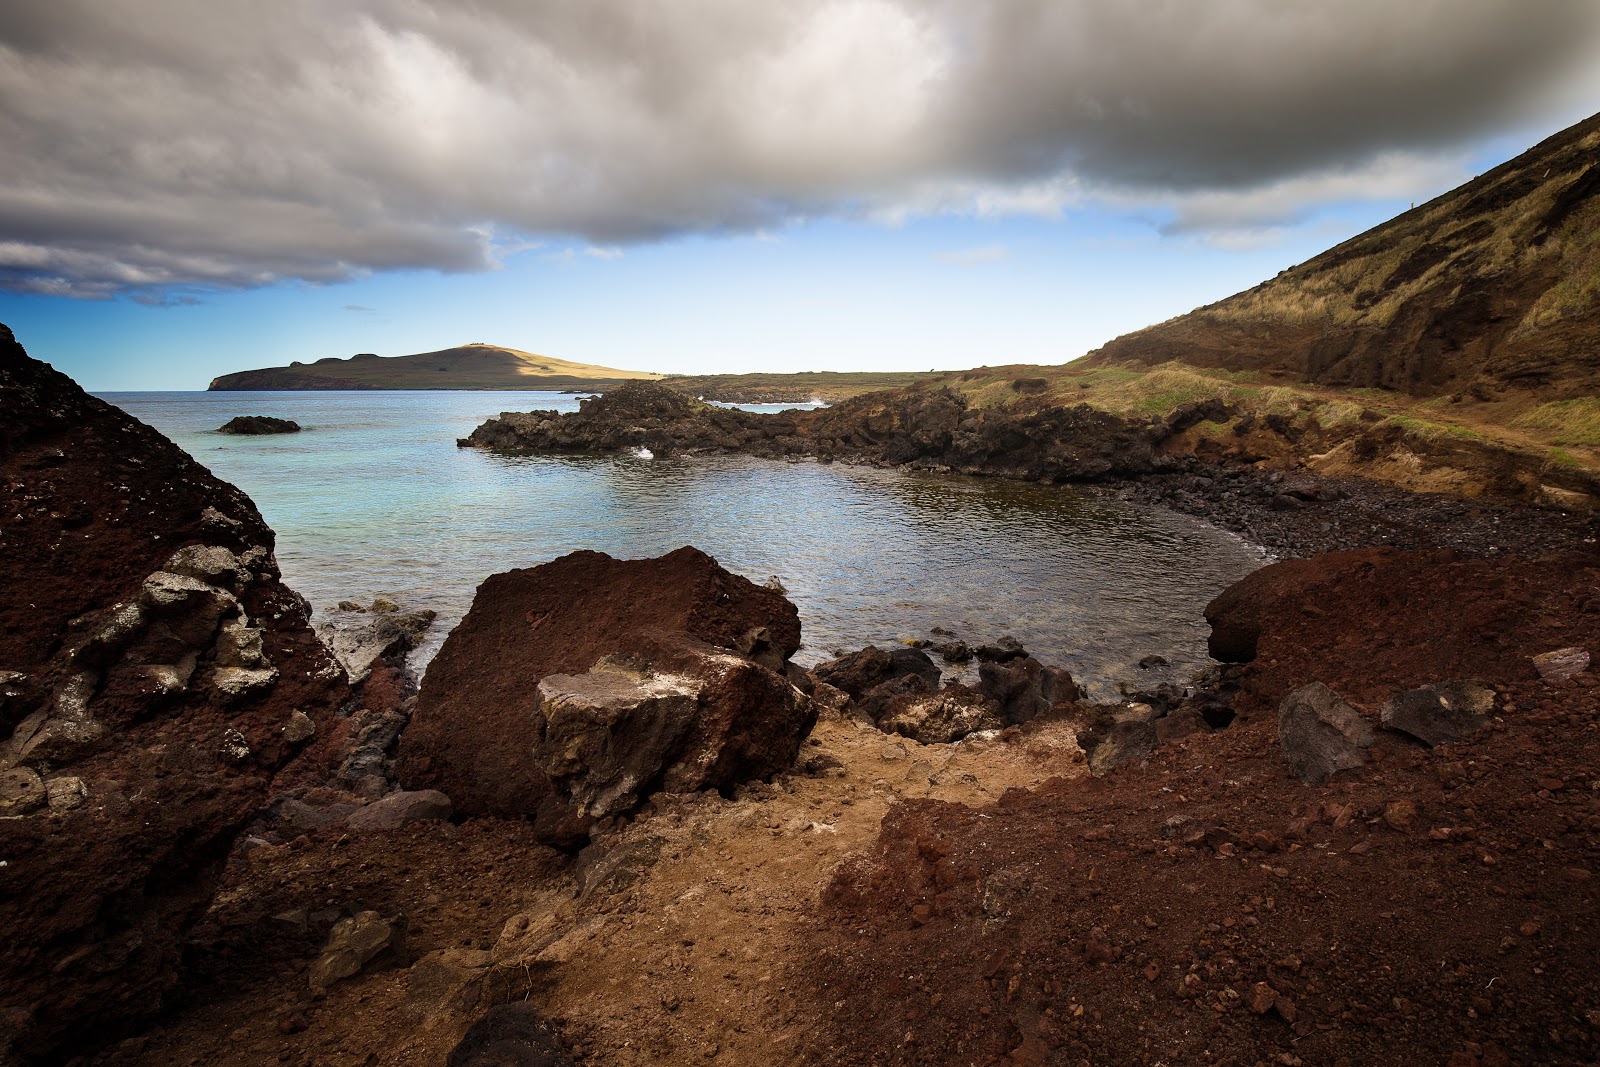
column 374, row 499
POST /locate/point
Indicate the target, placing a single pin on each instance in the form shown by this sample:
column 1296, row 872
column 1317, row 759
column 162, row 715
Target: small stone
column 169, row 678
column 236, row 683
column 21, row 791
column 352, row 944
column 384, row 607
column 350, row 605
column 1562, row 664
column 1438, row 714
column 209, row 563
column 217, row 520
column 1262, row 998
column 1320, row 734
column 300, row 727
column 1399, row 815
column 239, row 645
column 65, row 793
column 397, row 809
column 233, row 748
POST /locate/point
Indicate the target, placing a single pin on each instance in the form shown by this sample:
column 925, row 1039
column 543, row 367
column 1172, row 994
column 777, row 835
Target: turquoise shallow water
column 375, row 499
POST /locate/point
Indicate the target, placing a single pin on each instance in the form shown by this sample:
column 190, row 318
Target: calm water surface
column 375, row 499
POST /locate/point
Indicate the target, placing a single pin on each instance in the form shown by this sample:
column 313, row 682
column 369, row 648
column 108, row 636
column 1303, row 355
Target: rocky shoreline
column 1156, row 461
column 615, row 823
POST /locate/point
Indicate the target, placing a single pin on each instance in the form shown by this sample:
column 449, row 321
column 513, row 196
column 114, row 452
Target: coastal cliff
column 1487, row 292
column 155, row 674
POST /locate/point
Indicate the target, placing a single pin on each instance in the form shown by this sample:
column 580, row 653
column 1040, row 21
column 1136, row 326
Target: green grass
column 758, row 388
column 1426, row 428
column 1567, row 422
column 1561, row 458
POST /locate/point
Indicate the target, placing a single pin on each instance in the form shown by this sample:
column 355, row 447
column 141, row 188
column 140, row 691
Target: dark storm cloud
column 233, row 143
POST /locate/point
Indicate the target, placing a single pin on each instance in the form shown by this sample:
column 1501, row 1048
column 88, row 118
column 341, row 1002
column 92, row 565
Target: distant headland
column 486, row 366
column 472, row 366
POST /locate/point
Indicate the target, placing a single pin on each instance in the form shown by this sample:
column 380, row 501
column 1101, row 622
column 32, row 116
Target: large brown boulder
column 1239, row 613
column 573, row 690
column 1374, row 622
column 150, row 660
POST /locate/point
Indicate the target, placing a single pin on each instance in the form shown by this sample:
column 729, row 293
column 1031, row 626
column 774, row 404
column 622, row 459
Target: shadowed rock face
column 511, row 1035
column 151, row 661
column 572, row 691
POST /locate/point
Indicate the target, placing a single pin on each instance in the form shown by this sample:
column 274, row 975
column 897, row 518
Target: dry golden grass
column 1357, row 288
column 1566, row 422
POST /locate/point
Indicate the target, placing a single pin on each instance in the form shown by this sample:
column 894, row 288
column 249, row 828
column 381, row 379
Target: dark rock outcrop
column 1025, row 689
column 938, row 429
column 258, row 425
column 1112, row 736
column 925, row 427
column 639, row 415
column 572, row 691
column 155, row 671
column 859, row 673
column 898, row 690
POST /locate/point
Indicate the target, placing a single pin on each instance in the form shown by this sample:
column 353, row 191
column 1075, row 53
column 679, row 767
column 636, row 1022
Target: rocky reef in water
column 932, row 429
column 258, row 425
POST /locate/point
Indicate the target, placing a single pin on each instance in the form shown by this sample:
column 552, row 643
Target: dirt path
column 678, row 951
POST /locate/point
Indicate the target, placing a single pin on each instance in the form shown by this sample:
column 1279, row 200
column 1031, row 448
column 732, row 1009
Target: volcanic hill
column 473, row 366
column 1491, row 290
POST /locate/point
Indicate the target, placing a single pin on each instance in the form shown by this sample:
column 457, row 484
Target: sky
column 720, row 185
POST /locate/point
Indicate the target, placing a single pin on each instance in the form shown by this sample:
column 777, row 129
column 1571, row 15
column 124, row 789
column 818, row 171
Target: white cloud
column 236, row 143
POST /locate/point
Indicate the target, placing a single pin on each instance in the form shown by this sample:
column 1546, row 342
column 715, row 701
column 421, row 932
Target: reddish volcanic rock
column 150, row 661
column 573, row 690
column 1380, row 621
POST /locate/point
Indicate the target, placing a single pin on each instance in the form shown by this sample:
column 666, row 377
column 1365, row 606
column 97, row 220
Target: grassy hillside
column 474, row 366
column 827, row 386
column 1491, row 290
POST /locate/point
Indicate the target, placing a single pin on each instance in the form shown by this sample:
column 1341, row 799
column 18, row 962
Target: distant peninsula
column 486, row 366
column 473, row 366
